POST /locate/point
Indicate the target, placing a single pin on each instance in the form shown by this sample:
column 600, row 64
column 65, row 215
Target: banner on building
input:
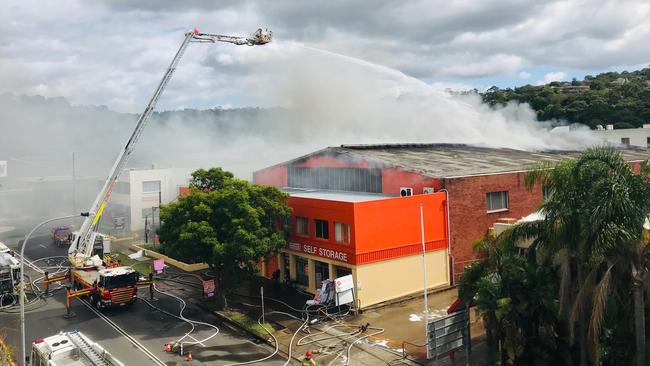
column 3, row 168
column 119, row 222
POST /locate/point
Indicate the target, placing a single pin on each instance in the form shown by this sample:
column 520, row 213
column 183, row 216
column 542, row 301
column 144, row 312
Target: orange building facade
column 375, row 237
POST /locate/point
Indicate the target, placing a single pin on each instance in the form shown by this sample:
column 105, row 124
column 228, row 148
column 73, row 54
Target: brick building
column 482, row 185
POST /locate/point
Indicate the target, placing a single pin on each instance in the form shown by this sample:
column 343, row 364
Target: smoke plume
column 312, row 99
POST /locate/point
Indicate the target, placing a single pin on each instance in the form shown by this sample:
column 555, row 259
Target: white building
column 639, row 137
column 138, row 194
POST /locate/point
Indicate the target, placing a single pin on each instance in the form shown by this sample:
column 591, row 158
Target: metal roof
column 458, row 160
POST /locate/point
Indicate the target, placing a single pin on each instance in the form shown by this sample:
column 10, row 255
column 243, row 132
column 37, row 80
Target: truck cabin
column 117, row 277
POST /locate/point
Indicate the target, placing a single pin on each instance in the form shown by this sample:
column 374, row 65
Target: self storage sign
column 318, row 251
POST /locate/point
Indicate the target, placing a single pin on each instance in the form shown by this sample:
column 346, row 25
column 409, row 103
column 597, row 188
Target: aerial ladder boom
column 81, row 248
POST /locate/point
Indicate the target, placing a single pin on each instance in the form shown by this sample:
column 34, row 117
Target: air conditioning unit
column 405, row 191
column 426, row 190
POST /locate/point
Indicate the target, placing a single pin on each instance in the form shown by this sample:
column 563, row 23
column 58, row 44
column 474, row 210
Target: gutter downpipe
column 449, row 254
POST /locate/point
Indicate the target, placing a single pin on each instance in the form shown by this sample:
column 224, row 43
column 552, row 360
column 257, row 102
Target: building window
column 322, row 229
column 302, row 226
column 302, row 271
column 647, row 141
column 342, row 233
column 625, row 140
column 497, row 201
column 342, row 271
column 151, row 186
column 322, row 272
column 339, row 179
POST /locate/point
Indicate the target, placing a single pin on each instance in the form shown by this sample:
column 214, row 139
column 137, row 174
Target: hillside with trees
column 621, row 99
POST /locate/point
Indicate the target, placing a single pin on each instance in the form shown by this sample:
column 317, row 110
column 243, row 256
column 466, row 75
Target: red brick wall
column 468, row 214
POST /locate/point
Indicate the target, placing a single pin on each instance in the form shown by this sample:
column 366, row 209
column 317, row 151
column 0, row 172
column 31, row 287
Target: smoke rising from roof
column 326, row 99
column 339, row 99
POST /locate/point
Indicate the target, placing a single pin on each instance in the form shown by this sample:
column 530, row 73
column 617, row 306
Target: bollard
column 47, row 283
column 151, row 286
column 68, row 313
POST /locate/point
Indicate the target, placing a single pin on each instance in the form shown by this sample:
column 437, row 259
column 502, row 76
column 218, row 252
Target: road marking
column 42, row 246
column 126, row 335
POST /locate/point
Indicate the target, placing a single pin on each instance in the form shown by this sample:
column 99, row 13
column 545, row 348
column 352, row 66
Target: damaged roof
column 456, row 160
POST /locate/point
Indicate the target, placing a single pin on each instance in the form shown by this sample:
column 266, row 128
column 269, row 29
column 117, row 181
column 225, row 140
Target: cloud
column 552, row 76
column 114, row 52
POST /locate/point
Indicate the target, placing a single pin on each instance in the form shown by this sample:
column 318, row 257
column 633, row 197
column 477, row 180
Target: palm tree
column 592, row 226
column 516, row 301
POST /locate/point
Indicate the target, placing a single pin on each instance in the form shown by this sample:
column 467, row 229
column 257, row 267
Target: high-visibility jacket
column 308, row 362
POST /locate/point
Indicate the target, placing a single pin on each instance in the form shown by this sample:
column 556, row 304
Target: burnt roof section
column 440, row 160
column 458, row 160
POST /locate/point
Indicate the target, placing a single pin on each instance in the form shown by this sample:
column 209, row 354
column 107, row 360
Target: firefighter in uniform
column 308, row 360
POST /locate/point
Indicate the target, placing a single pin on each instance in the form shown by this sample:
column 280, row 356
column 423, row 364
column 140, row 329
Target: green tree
column 226, row 222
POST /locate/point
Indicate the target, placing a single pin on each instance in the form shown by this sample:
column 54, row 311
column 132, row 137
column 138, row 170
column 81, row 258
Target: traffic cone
column 189, row 356
column 168, row 347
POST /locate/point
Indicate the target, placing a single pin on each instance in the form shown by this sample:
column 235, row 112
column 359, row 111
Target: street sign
column 344, row 287
column 3, row 168
column 447, row 334
column 208, row 288
column 158, row 266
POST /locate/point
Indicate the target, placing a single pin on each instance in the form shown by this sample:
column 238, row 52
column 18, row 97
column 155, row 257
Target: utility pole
column 159, row 204
column 153, row 225
column 146, row 229
column 74, row 186
column 424, row 271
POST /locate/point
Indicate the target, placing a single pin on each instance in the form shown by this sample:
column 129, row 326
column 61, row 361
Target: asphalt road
column 149, row 328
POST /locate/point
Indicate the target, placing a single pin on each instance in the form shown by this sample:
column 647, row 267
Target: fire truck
column 61, row 235
column 70, row 348
column 92, row 273
column 9, row 271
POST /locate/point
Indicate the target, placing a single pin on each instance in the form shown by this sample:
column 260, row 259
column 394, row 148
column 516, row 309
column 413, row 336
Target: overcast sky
column 114, row 52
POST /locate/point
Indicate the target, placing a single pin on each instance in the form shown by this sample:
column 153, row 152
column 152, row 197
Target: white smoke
column 345, row 100
column 326, row 100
